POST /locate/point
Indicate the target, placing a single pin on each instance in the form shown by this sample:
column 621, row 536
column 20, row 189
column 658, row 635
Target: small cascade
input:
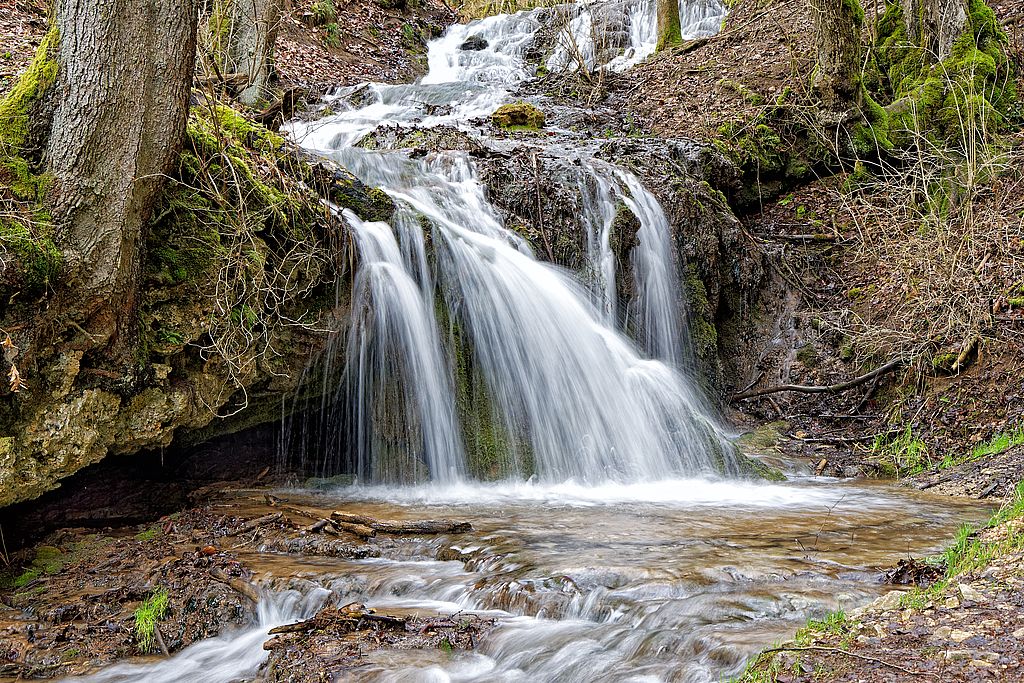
column 658, row 302
column 232, row 656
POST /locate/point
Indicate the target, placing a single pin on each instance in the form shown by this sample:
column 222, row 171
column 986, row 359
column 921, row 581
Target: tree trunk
column 245, row 44
column 118, row 107
column 669, row 30
column 934, row 25
column 837, row 77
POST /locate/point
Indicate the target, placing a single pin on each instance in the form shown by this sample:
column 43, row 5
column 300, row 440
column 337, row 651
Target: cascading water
column 571, row 397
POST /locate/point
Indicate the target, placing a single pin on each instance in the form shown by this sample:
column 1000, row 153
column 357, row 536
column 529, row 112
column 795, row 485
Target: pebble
column 991, row 624
column 972, row 594
column 980, row 663
column 1019, row 633
column 952, row 602
column 942, row 633
column 888, row 601
column 958, row 636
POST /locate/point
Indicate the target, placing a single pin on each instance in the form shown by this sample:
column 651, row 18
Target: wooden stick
column 831, row 389
column 847, row 652
column 259, row 521
column 430, row 526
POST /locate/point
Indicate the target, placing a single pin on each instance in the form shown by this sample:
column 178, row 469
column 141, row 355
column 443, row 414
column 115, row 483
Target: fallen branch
column 847, row 652
column 360, row 530
column 831, row 389
column 259, row 521
column 238, row 585
column 438, row 526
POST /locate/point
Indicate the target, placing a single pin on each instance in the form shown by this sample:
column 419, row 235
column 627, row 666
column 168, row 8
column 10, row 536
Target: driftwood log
column 429, row 526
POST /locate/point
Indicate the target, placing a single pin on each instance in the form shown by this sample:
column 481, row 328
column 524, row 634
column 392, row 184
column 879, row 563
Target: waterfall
column 472, row 340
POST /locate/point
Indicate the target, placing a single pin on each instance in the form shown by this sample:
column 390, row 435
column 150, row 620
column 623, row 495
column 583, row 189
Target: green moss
column 16, row 108
column 38, row 260
column 971, row 90
column 492, row 453
column 147, row 615
column 703, row 332
column 522, row 115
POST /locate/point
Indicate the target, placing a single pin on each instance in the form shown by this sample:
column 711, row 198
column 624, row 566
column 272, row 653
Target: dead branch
column 429, row 526
column 831, row 389
column 837, row 650
column 259, row 521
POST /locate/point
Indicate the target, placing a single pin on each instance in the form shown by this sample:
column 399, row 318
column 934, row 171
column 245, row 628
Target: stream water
column 618, row 546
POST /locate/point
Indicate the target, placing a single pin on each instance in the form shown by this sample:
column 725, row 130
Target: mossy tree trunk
column 669, row 29
column 113, row 122
column 837, row 76
column 243, row 33
column 934, row 25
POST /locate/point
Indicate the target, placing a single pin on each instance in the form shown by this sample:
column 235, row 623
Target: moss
column 16, row 108
column 518, row 114
column 971, row 89
column 492, row 453
column 39, row 261
column 703, row 332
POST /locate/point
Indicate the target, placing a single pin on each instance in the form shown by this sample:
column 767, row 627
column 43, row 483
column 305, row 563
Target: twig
column 831, row 389
column 846, row 652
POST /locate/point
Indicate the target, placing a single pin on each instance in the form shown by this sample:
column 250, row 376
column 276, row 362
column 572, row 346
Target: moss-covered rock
column 518, row 115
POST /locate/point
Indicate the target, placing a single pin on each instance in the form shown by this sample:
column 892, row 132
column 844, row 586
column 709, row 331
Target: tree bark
column 837, row 77
column 247, row 49
column 934, row 25
column 119, row 108
column 669, row 29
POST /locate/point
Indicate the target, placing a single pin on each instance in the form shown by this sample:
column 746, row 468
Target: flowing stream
column 617, row 545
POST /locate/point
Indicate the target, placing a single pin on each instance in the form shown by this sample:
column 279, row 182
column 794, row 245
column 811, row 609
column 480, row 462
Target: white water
column 573, row 397
column 232, row 656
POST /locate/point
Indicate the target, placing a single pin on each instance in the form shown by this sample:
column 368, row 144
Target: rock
column 958, row 636
column 952, row 602
column 991, row 624
column 519, row 115
column 980, row 663
column 972, row 594
column 942, row 633
column 1019, row 633
column 474, row 44
column 889, row 601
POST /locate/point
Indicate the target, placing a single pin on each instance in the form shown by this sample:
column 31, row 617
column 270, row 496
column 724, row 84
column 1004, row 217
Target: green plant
column 904, row 455
column 324, row 12
column 151, row 611
column 332, row 35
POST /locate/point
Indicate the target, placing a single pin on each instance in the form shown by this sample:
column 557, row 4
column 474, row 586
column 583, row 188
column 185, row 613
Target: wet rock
column 474, row 44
